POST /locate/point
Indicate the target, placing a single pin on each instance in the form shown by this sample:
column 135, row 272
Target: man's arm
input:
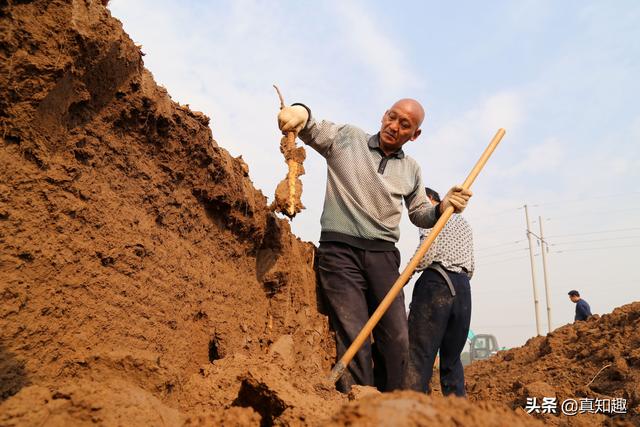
column 318, row 135
column 321, row 136
column 421, row 213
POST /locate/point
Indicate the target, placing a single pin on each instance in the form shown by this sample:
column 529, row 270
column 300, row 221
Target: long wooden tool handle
column 342, row 364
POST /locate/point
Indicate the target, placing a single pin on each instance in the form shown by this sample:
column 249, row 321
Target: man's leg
column 430, row 308
column 379, row 370
column 455, row 337
column 390, row 335
column 343, row 286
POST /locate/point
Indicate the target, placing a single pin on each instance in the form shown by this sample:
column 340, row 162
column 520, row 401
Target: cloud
column 545, row 156
column 382, row 55
column 501, row 110
column 448, row 152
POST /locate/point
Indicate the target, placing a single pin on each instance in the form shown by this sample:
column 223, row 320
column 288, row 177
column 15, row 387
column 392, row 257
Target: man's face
column 574, row 298
column 401, row 123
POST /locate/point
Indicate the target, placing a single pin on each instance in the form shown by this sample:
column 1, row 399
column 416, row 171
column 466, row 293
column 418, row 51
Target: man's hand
column 293, row 118
column 456, row 197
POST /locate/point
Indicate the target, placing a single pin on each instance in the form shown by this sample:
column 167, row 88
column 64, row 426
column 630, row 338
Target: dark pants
column 353, row 282
column 438, row 320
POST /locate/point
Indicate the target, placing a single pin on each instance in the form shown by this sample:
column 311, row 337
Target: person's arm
column 421, row 213
column 319, row 135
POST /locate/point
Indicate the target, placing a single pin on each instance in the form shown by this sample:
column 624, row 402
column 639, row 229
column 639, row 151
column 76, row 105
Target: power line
column 596, row 249
column 500, row 245
column 558, row 292
column 501, row 227
column 595, row 240
column 589, row 198
column 595, row 232
column 511, row 251
column 502, row 260
column 491, row 215
column 594, row 212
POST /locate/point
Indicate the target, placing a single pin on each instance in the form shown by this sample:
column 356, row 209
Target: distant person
column 583, row 311
column 440, row 311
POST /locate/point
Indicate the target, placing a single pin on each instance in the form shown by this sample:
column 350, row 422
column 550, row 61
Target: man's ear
column 416, row 134
column 383, row 116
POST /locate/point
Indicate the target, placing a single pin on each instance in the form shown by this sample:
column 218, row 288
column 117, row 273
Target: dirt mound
column 595, row 359
column 409, row 408
column 134, row 251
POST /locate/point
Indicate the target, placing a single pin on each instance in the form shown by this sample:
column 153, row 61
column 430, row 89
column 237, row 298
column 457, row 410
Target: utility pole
column 544, row 250
column 536, row 302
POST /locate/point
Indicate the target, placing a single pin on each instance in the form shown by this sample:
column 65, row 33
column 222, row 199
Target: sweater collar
column 374, row 143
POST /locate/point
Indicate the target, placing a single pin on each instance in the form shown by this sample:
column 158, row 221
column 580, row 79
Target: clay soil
column 597, row 359
column 144, row 280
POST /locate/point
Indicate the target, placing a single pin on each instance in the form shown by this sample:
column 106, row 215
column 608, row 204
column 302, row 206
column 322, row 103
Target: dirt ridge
column 597, row 358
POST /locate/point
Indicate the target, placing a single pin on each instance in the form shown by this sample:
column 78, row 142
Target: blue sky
column 561, row 77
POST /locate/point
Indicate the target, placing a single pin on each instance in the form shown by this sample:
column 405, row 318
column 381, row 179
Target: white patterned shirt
column 453, row 248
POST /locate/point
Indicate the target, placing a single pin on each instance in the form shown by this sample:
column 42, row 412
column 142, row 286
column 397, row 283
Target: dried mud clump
column 597, row 359
column 289, row 190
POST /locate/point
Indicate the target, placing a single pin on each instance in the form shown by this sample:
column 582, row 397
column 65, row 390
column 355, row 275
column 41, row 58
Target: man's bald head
column 400, row 124
column 412, row 107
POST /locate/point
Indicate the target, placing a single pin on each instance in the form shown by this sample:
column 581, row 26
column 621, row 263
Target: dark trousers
column 353, row 282
column 438, row 320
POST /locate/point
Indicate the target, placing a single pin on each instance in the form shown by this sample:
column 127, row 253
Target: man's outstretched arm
column 318, row 135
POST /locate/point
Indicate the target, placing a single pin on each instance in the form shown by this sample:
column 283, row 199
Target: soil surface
column 145, row 281
column 140, row 270
column 595, row 359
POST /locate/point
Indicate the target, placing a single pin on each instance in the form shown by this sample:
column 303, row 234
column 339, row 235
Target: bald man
column 369, row 177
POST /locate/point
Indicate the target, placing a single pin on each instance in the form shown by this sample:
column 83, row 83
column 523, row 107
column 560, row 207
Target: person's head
column 432, row 195
column 400, row 123
column 574, row 296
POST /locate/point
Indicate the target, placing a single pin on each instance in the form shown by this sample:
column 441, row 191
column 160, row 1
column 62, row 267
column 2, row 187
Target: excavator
column 481, row 346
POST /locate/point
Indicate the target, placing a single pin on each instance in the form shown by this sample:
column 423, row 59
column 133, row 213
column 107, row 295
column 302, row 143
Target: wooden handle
column 342, row 364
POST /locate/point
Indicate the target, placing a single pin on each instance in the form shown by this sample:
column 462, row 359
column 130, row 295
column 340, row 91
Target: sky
column 560, row 77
